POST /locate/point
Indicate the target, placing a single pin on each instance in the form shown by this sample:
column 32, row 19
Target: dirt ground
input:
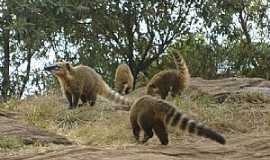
column 244, row 146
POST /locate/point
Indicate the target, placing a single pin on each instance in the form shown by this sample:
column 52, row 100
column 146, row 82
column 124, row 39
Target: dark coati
column 82, row 82
column 172, row 80
column 123, row 81
column 148, row 113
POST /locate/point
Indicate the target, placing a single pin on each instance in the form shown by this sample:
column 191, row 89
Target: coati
column 149, row 113
column 141, row 80
column 123, row 81
column 82, row 82
column 172, row 80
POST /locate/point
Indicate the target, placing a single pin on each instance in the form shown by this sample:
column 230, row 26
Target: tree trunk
column 6, row 64
column 26, row 77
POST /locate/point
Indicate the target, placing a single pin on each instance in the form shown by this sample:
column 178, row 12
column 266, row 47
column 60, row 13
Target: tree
column 136, row 33
column 6, row 23
column 234, row 21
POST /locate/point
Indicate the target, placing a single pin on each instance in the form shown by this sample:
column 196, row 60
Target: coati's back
column 174, row 80
column 162, row 82
column 95, row 83
column 89, row 80
column 148, row 113
column 123, row 81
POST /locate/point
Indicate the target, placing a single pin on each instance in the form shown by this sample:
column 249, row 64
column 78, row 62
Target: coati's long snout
column 50, row 68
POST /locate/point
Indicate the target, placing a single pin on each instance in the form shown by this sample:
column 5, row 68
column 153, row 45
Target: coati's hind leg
column 175, row 91
column 146, row 123
column 164, row 93
column 161, row 132
column 83, row 99
column 92, row 100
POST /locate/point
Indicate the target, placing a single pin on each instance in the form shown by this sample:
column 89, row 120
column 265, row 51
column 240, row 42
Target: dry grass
column 10, row 142
column 231, row 117
column 101, row 125
column 98, row 125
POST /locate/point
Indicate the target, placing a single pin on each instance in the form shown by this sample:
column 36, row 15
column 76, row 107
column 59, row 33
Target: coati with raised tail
column 149, row 113
column 83, row 82
column 123, row 81
column 172, row 80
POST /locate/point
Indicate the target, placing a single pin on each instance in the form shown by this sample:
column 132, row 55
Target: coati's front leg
column 135, row 128
column 69, row 97
column 125, row 88
column 75, row 97
column 146, row 122
column 75, row 100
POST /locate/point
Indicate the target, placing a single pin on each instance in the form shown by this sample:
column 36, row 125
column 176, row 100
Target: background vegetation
column 218, row 38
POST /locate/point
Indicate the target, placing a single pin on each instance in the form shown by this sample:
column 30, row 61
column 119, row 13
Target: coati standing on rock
column 82, row 82
column 173, row 80
column 149, row 113
column 123, row 81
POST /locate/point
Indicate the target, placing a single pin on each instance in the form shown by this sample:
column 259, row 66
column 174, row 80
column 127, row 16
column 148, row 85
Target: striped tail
column 182, row 69
column 116, row 97
column 175, row 118
column 179, row 61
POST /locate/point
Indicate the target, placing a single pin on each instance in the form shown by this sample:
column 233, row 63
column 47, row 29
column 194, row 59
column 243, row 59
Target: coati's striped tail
column 176, row 119
column 182, row 69
column 116, row 97
column 179, row 61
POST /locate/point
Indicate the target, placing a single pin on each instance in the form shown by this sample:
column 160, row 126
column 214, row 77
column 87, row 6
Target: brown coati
column 123, row 81
column 172, row 80
column 82, row 82
column 149, row 113
column 141, row 80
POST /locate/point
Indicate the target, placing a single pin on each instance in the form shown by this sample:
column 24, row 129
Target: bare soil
column 242, row 147
column 29, row 134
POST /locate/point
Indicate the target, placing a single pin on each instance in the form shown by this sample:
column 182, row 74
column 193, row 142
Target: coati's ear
column 68, row 66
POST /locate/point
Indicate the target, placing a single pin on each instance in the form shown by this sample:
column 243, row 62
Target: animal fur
column 123, row 81
column 82, row 82
column 173, row 80
column 142, row 80
column 148, row 113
